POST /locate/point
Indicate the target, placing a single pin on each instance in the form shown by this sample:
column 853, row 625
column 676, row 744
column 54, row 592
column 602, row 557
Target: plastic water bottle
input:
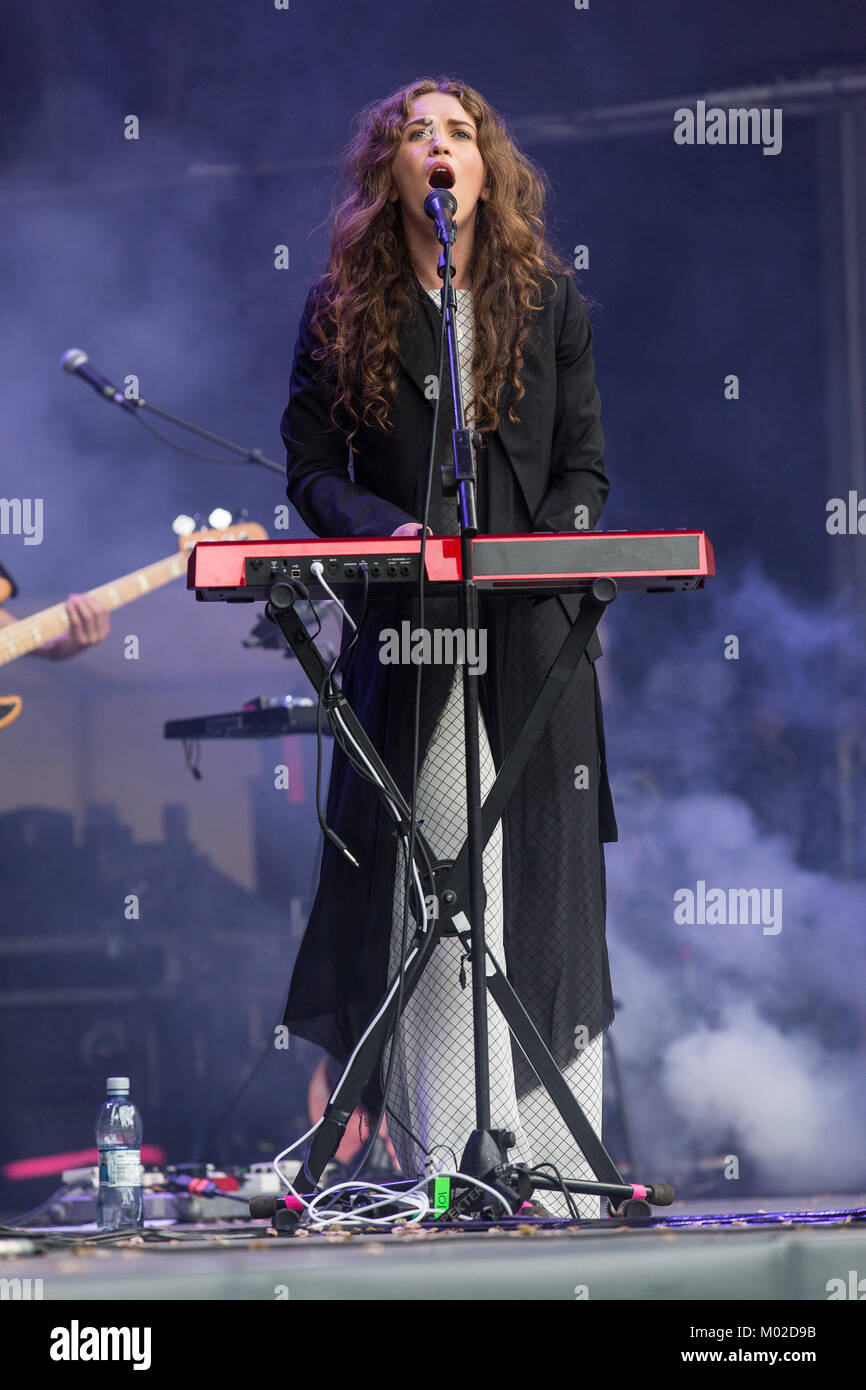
column 119, row 1205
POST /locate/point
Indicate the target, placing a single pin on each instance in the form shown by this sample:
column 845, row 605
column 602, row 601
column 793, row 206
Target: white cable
column 318, row 569
column 415, row 1197
column 465, row 1177
column 280, row 1156
column 417, row 1202
column 413, row 952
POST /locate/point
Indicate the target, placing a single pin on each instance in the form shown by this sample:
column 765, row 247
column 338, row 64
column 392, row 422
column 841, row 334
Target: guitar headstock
column 240, row 531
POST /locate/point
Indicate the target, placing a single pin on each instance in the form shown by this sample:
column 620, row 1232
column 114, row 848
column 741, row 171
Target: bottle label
column 120, row 1168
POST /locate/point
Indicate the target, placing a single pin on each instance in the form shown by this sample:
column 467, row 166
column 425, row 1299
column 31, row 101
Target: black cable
column 326, row 683
column 428, row 1153
column 413, row 800
column 192, row 756
column 406, row 1130
column 562, row 1187
column 355, row 762
column 448, row 1149
column 216, row 1127
column 63, row 1191
column 190, row 453
column 363, row 770
column 410, row 850
column 319, row 747
column 213, row 1130
column 56, row 1240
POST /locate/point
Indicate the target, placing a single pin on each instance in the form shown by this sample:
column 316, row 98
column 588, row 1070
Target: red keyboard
column 654, row 561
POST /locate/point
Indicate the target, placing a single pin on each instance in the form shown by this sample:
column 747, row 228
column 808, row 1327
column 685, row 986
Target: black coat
column 537, row 473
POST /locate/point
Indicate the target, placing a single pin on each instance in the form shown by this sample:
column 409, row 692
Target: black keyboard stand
column 451, row 892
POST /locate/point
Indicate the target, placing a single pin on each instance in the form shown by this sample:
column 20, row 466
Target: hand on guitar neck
column 64, row 630
column 89, row 624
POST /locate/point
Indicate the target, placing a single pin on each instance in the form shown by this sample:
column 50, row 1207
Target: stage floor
column 792, row 1248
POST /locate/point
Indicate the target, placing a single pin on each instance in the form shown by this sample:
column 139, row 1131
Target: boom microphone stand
column 485, row 1147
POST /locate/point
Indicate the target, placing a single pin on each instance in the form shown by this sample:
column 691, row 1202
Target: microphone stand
column 251, row 455
column 486, row 1148
column 76, row 363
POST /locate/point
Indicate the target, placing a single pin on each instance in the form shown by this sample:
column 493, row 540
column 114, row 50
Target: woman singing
column 364, row 380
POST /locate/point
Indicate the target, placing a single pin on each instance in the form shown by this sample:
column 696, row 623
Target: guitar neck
column 29, row 633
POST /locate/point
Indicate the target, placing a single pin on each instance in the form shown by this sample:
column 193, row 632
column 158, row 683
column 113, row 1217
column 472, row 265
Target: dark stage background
column 158, row 256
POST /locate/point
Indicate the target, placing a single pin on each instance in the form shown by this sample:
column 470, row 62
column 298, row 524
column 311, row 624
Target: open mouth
column 440, row 177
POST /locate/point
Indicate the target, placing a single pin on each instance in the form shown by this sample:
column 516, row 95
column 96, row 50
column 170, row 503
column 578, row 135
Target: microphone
column 268, row 1206
column 77, row 362
column 661, row 1194
column 440, row 206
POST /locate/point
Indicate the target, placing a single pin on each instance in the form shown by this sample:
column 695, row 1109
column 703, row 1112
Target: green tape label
column 441, row 1195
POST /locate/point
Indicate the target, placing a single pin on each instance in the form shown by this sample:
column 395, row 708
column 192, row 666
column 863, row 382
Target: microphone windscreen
column 662, row 1194
column 268, row 1206
column 263, row 1206
column 75, row 357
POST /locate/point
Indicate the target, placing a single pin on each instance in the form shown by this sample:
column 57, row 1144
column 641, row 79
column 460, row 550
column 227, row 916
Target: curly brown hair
column 368, row 291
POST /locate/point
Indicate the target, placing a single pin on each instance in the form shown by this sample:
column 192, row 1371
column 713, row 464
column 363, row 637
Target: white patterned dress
column 431, row 1100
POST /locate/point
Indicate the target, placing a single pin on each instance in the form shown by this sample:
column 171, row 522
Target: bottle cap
column 117, row 1083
